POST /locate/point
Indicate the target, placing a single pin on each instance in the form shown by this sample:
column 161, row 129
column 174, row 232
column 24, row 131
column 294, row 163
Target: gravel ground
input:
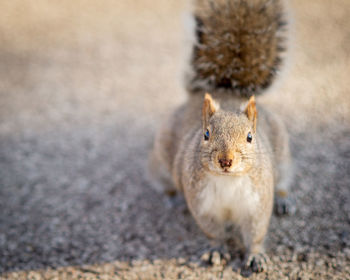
column 83, row 87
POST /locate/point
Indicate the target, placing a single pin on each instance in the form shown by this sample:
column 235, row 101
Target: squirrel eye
column 206, row 135
column 249, row 137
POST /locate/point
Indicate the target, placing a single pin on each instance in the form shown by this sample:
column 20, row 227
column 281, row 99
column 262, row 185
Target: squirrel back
column 239, row 46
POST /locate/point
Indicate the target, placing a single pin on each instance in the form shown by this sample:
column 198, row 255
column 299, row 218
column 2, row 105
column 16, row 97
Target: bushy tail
column 239, row 45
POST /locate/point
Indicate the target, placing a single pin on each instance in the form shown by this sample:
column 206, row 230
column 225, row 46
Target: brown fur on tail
column 239, row 45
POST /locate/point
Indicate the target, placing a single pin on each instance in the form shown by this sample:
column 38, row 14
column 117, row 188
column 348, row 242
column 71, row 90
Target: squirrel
column 228, row 155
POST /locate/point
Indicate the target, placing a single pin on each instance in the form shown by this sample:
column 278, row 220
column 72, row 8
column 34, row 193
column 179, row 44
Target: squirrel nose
column 225, row 163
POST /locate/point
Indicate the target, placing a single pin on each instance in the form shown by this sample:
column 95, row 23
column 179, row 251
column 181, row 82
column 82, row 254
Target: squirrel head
column 228, row 146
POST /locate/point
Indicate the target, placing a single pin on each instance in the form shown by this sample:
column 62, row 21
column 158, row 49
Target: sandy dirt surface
column 84, row 86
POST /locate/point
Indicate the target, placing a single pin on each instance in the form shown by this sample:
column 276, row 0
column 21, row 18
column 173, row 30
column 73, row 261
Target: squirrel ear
column 251, row 112
column 208, row 110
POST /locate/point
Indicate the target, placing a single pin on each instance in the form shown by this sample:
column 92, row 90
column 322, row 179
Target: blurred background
column 84, row 86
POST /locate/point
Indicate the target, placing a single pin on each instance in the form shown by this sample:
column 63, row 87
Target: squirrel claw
column 256, row 263
column 285, row 206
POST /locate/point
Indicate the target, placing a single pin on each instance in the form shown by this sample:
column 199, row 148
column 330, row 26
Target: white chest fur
column 228, row 198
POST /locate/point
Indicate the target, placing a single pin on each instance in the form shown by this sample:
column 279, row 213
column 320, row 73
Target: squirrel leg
column 215, row 232
column 284, row 203
column 226, row 246
column 255, row 260
column 161, row 181
column 159, row 176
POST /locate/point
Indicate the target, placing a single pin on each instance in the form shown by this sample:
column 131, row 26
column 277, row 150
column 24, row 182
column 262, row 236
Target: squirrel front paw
column 254, row 264
column 216, row 256
column 284, row 205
